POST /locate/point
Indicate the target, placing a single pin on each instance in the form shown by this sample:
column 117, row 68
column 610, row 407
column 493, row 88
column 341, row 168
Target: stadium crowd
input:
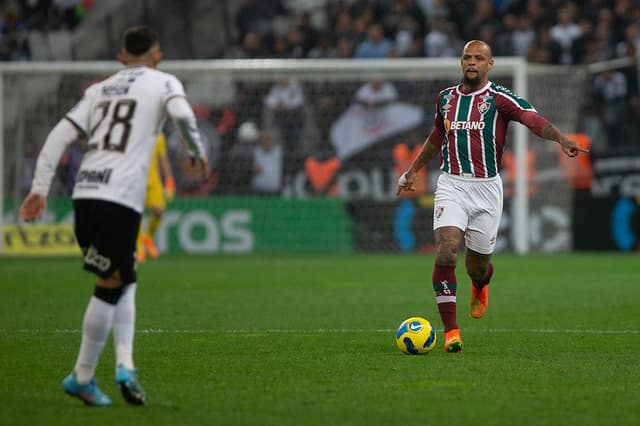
column 543, row 31
column 18, row 17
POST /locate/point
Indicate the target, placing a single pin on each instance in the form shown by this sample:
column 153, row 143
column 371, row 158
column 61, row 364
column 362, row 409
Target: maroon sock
column 444, row 286
column 484, row 282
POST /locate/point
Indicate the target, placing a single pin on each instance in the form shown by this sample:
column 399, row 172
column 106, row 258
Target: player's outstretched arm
column 545, row 129
column 570, row 147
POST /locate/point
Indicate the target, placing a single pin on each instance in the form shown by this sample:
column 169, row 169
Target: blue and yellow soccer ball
column 416, row 336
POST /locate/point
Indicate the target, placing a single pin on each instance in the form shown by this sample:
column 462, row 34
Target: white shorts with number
column 473, row 205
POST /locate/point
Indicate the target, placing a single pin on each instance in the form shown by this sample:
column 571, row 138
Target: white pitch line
column 321, row 331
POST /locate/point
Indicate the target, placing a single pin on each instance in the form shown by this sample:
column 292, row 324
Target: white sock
column 124, row 322
column 95, row 329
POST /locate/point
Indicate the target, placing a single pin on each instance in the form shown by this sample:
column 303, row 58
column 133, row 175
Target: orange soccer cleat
column 479, row 301
column 453, row 341
column 149, row 246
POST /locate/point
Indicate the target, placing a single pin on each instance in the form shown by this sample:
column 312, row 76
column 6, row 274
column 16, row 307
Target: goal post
column 43, row 92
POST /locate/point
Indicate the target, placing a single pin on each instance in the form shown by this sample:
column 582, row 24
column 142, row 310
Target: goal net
column 340, row 132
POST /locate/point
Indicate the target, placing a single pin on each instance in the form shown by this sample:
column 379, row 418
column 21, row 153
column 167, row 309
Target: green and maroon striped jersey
column 471, row 128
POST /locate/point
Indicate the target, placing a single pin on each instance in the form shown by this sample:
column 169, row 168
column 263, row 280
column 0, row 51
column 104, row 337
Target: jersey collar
column 480, row 90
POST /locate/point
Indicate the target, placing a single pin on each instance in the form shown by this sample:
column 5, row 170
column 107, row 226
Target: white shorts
column 473, row 205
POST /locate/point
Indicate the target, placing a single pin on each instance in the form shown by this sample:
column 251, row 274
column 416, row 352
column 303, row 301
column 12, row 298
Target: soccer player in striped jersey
column 469, row 132
column 120, row 117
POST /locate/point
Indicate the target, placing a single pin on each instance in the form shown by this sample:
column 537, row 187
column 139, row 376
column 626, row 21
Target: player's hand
column 405, row 182
column 169, row 188
column 572, row 148
column 203, row 164
column 33, row 206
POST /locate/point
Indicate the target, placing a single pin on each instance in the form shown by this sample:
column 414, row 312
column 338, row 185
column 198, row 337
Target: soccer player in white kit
column 120, row 117
column 469, row 132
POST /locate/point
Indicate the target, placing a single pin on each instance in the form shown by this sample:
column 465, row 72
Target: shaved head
column 478, row 44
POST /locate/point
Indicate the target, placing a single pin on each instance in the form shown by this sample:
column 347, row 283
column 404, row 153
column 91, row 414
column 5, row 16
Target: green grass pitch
column 309, row 340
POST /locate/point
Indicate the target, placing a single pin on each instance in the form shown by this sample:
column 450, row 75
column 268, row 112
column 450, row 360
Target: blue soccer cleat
column 131, row 390
column 89, row 393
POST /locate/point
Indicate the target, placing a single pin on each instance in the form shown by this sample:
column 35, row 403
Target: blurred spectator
column 14, row 44
column 267, row 165
column 591, row 8
column 295, row 40
column 390, row 21
column 610, row 91
column 251, row 47
column 622, row 16
column 326, row 108
column 631, row 42
column 363, row 19
column 503, row 41
column 343, row 27
column 539, row 15
column 544, row 49
column 259, row 16
column 483, row 16
column 324, row 48
column 71, row 12
column 581, row 45
column 434, row 9
column 565, row 32
column 285, row 112
column 236, row 174
column 440, row 41
column 345, row 48
column 281, row 48
column 376, row 92
column 590, row 123
column 307, row 33
column 375, row 45
column 405, row 35
column 522, row 36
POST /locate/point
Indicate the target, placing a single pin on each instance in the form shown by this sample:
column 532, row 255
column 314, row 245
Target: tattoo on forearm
column 549, row 131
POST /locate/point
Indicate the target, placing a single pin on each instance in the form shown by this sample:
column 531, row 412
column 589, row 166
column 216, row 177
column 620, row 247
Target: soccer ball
column 416, row 336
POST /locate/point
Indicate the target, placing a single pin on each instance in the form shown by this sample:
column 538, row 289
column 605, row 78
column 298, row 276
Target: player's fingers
column 29, row 214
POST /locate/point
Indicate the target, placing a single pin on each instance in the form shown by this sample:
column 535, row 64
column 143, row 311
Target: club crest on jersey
column 485, row 105
column 439, row 211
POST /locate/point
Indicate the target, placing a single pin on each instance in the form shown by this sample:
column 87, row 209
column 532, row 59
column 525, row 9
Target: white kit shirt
column 121, row 117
